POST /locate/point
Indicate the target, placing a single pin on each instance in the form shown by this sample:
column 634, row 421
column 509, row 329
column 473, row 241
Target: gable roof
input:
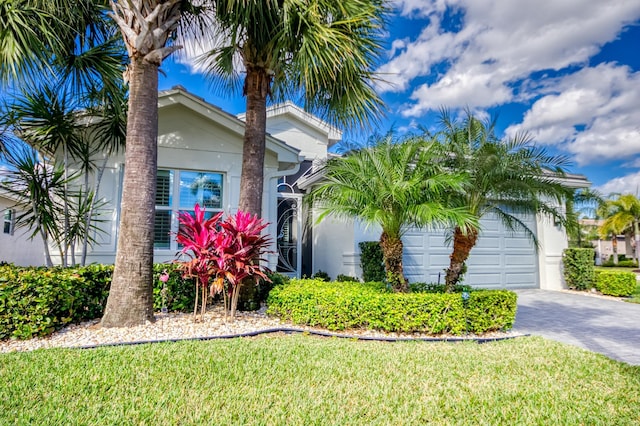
column 178, row 95
column 333, row 133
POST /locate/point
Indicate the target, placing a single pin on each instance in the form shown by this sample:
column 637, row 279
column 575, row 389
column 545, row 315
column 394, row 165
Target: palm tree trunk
column 392, row 250
column 614, row 246
column 256, row 88
column 462, row 245
column 636, row 235
column 130, row 299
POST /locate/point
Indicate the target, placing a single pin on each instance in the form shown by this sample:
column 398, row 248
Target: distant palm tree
column 396, row 184
column 507, row 178
column 321, row 52
column 623, row 212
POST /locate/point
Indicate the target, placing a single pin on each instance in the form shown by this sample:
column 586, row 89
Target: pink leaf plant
column 222, row 254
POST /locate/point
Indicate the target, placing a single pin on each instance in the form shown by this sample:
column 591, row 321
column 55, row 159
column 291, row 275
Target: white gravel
column 181, row 326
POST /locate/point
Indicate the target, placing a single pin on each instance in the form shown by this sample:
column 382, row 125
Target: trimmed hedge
column 621, row 263
column 340, row 306
column 579, row 270
column 36, row 301
column 372, row 261
column 616, row 283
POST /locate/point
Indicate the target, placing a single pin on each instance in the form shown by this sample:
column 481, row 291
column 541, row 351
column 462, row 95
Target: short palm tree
column 396, row 184
column 320, row 52
column 623, row 212
column 507, row 178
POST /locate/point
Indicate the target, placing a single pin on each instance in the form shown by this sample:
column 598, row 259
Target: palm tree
column 318, row 51
column 38, row 189
column 507, row 178
column 71, row 60
column 148, row 28
column 623, row 212
column 395, row 184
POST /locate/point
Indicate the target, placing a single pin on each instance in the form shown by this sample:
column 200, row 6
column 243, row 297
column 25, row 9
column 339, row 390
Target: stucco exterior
column 195, row 136
column 15, row 245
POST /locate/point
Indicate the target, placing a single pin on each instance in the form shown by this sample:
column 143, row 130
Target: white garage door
column 500, row 259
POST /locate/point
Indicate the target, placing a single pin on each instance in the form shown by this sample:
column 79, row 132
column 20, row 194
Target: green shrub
column 437, row 288
column 322, row 276
column 621, row 263
column 340, row 306
column 347, row 279
column 180, row 292
column 371, row 261
column 579, row 268
column 616, row 283
column 252, row 298
column 35, row 301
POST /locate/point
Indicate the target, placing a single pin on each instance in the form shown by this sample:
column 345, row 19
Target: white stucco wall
column 311, row 142
column 335, row 248
column 553, row 240
column 16, row 248
column 189, row 141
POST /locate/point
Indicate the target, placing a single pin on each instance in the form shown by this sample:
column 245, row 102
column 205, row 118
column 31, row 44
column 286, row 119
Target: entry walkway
column 610, row 327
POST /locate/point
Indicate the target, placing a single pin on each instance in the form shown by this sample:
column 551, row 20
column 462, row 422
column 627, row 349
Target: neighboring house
column 604, row 248
column 200, row 158
column 15, row 246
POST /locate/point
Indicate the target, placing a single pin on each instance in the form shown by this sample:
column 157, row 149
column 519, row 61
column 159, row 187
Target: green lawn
column 304, row 380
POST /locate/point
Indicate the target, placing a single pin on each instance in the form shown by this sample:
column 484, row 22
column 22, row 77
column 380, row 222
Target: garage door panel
column 501, row 258
column 489, row 242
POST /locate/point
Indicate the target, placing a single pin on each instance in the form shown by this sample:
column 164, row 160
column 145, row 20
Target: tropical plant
column 223, row 255
column 71, row 64
column 622, row 212
column 397, row 183
column 38, row 189
column 508, row 179
column 583, row 203
column 197, row 236
column 319, row 51
column 149, row 29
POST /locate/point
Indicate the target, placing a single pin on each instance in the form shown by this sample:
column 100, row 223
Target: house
column 15, row 245
column 199, row 160
column 624, row 243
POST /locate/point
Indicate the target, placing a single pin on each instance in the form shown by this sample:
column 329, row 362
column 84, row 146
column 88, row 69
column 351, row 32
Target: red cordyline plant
column 223, row 254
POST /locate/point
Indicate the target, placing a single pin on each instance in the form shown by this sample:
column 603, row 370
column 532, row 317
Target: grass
column 307, row 380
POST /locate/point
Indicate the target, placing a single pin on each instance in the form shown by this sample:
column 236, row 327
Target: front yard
column 307, row 380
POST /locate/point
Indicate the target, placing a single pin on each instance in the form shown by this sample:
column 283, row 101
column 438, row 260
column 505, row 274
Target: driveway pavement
column 610, row 327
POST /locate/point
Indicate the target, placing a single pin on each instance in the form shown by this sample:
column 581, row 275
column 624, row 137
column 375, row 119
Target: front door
column 289, row 241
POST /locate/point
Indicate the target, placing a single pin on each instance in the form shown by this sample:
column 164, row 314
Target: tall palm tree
column 507, row 178
column 623, row 212
column 320, row 52
column 395, row 184
column 148, row 28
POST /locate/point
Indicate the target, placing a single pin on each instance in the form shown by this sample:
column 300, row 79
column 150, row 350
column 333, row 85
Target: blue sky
column 567, row 72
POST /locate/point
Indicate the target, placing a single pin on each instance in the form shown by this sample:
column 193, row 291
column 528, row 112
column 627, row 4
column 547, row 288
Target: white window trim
column 174, row 208
column 11, row 220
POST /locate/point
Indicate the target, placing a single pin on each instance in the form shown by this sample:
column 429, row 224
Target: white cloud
column 592, row 114
column 501, row 43
column 625, row 184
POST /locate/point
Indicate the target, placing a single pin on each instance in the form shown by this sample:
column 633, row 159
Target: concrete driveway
column 606, row 326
